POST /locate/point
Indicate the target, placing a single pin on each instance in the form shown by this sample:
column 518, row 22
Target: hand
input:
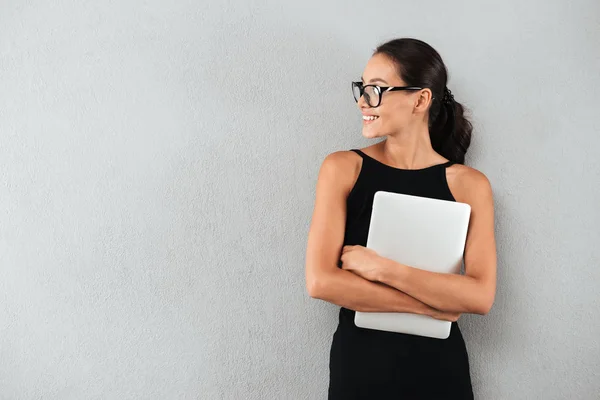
column 362, row 261
column 444, row 315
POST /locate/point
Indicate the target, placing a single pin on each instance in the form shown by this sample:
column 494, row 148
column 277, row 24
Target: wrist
column 391, row 272
column 383, row 266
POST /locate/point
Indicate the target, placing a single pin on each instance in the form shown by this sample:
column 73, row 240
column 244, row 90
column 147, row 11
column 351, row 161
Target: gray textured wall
column 158, row 163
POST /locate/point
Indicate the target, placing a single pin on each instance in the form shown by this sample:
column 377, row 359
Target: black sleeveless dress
column 372, row 364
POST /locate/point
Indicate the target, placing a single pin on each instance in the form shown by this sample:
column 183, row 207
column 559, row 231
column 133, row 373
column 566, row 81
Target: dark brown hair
column 420, row 65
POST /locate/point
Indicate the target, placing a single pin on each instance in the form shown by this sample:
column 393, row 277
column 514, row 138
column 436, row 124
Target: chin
column 371, row 134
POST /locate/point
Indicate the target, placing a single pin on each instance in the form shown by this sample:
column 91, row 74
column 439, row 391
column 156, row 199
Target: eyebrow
column 374, row 80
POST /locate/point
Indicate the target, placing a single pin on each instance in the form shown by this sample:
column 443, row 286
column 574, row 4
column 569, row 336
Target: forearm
column 351, row 291
column 445, row 292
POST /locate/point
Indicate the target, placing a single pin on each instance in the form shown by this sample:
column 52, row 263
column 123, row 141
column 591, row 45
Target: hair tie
column 448, row 97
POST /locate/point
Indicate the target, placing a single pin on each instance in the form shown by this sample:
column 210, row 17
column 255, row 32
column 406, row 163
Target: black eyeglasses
column 372, row 93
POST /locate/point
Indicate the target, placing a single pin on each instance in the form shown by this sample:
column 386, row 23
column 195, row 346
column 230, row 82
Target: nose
column 362, row 103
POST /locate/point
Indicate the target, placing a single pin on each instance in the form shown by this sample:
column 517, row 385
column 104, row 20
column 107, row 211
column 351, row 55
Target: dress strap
column 359, row 152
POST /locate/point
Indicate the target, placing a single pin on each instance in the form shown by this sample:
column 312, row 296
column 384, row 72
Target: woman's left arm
column 473, row 292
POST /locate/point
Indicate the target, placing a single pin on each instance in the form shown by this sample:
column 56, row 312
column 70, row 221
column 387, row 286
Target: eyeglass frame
column 380, row 91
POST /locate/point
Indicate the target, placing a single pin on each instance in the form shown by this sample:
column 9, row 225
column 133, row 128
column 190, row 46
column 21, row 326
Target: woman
column 402, row 97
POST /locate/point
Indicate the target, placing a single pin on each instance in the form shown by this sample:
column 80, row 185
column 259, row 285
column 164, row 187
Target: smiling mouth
column 367, row 119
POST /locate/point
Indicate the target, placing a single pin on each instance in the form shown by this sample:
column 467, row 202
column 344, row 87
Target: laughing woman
column 404, row 99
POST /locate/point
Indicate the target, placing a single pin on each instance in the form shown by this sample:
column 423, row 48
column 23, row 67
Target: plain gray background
column 158, row 162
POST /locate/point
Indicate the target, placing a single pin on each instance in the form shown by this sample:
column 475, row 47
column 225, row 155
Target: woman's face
column 395, row 112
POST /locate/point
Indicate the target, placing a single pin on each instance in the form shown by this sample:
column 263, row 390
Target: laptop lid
column 420, row 232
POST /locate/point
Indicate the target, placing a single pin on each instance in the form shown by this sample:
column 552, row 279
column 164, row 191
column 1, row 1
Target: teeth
column 369, row 117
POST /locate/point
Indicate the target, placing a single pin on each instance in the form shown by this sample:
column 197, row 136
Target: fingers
column 347, row 248
column 451, row 317
column 344, row 262
column 445, row 315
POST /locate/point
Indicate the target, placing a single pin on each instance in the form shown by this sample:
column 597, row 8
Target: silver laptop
column 420, row 232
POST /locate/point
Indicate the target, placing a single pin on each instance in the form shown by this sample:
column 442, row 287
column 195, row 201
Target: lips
column 367, row 119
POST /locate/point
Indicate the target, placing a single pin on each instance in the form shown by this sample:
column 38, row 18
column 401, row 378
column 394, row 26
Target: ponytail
column 450, row 131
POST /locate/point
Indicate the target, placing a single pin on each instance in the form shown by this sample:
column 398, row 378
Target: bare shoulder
column 342, row 159
column 468, row 185
column 341, row 167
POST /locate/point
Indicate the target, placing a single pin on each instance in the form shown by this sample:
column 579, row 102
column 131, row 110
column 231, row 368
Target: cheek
column 394, row 115
column 389, row 117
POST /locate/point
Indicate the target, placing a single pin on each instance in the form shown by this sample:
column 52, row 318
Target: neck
column 410, row 149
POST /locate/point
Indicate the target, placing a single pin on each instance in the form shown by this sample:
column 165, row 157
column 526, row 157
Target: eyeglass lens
column 370, row 94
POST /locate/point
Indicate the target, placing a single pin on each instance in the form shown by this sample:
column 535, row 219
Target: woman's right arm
column 324, row 280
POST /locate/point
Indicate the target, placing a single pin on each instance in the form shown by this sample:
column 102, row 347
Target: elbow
column 313, row 287
column 316, row 286
column 484, row 306
column 482, row 299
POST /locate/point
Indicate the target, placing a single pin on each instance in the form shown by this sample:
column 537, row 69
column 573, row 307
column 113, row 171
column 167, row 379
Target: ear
column 423, row 100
